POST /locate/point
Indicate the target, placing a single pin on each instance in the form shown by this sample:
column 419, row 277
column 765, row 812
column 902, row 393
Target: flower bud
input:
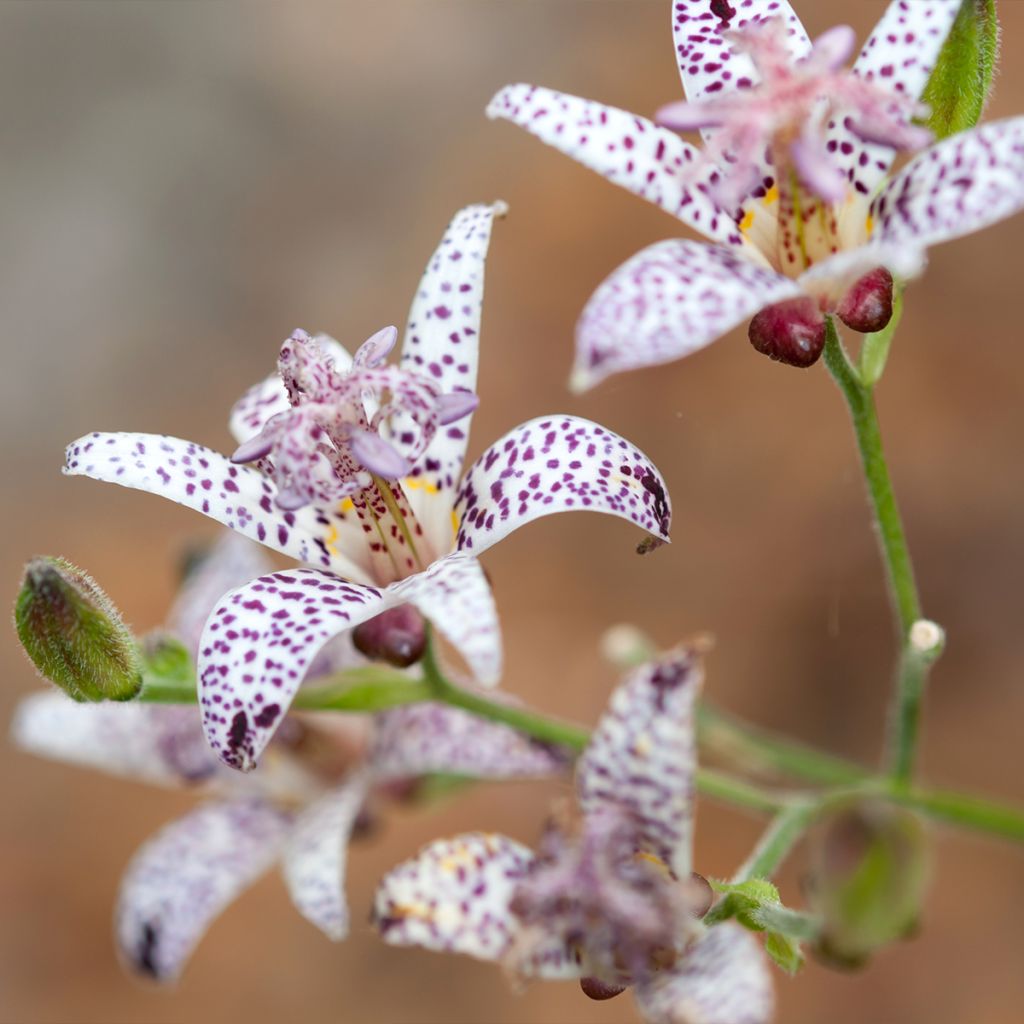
column 791, row 332
column 869, row 872
column 396, row 636
column 595, row 988
column 867, row 306
column 74, row 634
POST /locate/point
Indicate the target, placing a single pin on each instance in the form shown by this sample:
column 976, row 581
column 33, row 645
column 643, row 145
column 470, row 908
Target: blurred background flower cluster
column 184, row 184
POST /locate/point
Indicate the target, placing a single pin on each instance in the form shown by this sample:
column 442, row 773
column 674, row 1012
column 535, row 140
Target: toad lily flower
column 612, row 902
column 299, row 808
column 359, row 472
column 793, row 189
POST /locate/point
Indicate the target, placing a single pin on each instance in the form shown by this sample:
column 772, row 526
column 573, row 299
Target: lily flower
column 359, row 472
column 300, row 808
column 793, row 190
column 609, row 900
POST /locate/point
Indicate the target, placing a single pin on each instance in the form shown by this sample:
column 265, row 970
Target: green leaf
column 874, row 351
column 784, row 951
column 962, row 80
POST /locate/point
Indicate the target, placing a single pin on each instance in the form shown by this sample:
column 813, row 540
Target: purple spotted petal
column 315, row 855
column 376, row 455
column 376, row 349
column 231, row 561
column 723, row 979
column 453, row 896
column 960, row 185
column 442, row 341
column 668, row 301
column 558, row 464
column 199, row 478
column 899, row 56
column 454, row 594
column 160, row 744
column 707, row 64
column 258, row 645
column 183, row 877
column 265, row 400
column 422, row 738
column 629, row 150
column 642, row 755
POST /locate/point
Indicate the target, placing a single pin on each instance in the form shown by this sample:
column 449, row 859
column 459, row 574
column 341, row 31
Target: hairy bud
column 867, row 306
column 396, row 636
column 791, row 332
column 74, row 634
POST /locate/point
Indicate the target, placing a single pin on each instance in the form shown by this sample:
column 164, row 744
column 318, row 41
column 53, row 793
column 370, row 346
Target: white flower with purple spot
column 608, row 899
column 359, row 472
column 793, row 188
column 299, row 808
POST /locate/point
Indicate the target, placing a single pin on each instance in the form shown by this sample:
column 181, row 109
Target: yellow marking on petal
column 747, row 222
column 642, row 746
column 455, row 523
column 771, row 196
column 417, row 483
column 346, row 505
column 404, row 910
column 331, row 539
column 869, row 224
column 655, row 860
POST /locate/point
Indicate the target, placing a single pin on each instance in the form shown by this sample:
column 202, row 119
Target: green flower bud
column 962, row 79
column 868, row 879
column 74, row 634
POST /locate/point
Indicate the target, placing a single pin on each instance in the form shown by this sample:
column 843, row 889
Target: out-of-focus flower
column 322, row 492
column 608, row 899
column 808, row 224
column 299, row 808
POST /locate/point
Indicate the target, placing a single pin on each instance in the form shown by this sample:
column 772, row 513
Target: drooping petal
column 642, row 755
column 159, row 744
column 206, row 481
column 708, row 65
column 723, row 979
column 629, row 150
column 418, row 739
column 558, row 464
column 454, row 594
column 183, row 877
column 899, row 55
column 263, row 401
column 961, row 185
column 257, row 647
column 832, row 277
column 314, row 857
column 442, row 341
column 229, row 563
column 453, row 896
column 668, row 301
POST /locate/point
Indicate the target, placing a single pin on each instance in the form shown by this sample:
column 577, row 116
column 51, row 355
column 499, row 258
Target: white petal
column 183, row 877
column 649, row 161
column 724, row 979
column 833, row 277
column 669, row 301
column 159, row 744
column 642, row 755
column 314, row 858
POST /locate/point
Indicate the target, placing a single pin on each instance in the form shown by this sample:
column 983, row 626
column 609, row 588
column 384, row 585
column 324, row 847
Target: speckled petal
column 642, row 755
column 899, row 55
column 453, row 896
column 206, row 481
column 229, row 563
column 314, row 857
column 707, row 64
column 724, row 979
column 262, row 401
column 183, row 877
column 422, row 738
column 649, row 161
column 258, row 645
column 159, row 744
column 442, row 341
column 960, row 185
column 558, row 464
column 455, row 596
column 669, row 301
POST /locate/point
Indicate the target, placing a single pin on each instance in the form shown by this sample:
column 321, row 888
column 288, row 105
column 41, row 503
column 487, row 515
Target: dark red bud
column 594, row 988
column 791, row 332
column 396, row 636
column 867, row 306
column 701, row 894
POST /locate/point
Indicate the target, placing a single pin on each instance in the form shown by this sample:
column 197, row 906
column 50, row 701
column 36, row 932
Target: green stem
column 778, row 839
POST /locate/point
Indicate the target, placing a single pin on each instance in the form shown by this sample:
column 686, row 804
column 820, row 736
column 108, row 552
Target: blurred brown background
column 184, row 183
